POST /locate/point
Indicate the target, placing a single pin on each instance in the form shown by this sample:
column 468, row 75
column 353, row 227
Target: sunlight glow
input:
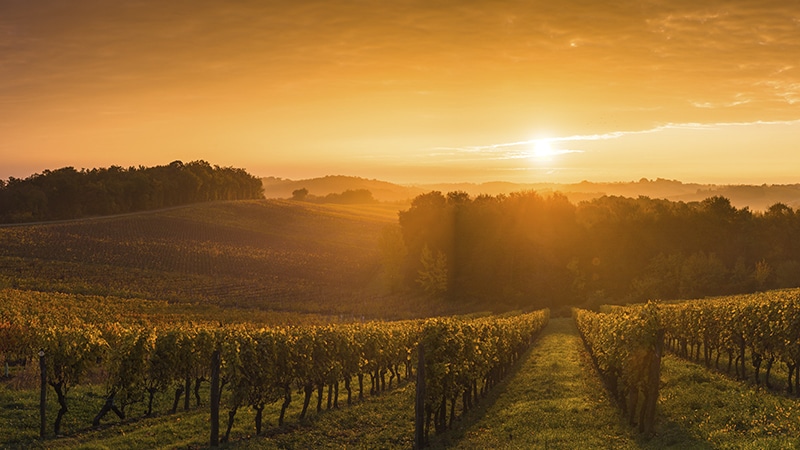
column 543, row 151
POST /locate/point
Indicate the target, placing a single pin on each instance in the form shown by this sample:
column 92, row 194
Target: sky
column 407, row 91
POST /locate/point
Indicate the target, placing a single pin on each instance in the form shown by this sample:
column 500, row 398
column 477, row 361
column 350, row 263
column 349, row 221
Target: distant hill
column 757, row 198
column 335, row 184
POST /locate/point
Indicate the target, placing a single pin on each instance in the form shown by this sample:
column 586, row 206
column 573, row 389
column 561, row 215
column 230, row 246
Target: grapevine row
column 765, row 325
column 261, row 366
column 626, row 348
column 465, row 358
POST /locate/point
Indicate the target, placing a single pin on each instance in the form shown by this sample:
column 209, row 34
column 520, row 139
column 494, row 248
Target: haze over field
column 756, row 198
column 410, row 92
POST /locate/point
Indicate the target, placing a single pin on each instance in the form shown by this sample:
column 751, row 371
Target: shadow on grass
column 667, row 434
column 464, row 422
column 337, row 427
column 779, row 383
column 670, row 435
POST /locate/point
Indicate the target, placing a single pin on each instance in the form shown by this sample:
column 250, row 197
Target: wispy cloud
column 510, row 150
column 739, row 99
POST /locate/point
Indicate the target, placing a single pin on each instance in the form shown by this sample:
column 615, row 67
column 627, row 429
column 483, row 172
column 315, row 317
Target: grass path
column 553, row 401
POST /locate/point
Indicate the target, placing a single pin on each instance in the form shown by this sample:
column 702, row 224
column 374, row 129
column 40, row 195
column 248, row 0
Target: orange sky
column 408, row 91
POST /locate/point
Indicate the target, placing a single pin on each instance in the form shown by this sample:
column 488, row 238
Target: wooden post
column 187, row 392
column 42, row 395
column 215, row 394
column 419, row 403
column 654, row 379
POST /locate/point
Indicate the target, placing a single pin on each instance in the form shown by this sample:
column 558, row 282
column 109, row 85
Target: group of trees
column 529, row 250
column 67, row 193
column 348, row 197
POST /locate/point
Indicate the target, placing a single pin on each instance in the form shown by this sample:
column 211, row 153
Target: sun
column 543, row 151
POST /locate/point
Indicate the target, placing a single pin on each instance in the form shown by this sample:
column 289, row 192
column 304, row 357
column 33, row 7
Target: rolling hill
column 265, row 254
column 333, row 184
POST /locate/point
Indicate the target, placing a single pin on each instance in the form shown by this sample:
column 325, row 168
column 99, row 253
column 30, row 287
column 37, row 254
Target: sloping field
column 268, row 254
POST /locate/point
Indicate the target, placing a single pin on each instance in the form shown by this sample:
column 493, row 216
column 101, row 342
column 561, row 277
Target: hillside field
column 269, row 255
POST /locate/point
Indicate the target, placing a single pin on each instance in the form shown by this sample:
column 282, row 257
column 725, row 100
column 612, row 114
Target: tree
column 702, row 274
column 352, row 197
column 393, row 256
column 433, row 274
column 529, row 250
column 762, row 273
column 428, row 223
column 300, row 194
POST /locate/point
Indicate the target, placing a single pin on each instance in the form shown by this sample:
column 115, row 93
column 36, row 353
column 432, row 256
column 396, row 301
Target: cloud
column 148, row 44
column 510, row 150
column 712, row 105
column 788, row 91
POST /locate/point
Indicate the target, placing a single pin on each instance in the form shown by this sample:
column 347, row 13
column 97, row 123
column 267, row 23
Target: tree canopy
column 67, row 193
column 529, row 250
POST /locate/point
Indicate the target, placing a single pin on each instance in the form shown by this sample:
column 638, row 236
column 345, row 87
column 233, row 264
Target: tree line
column 529, row 250
column 67, row 193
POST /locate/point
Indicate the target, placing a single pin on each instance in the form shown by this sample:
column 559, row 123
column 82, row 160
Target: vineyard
column 134, row 360
column 282, row 381
column 228, row 323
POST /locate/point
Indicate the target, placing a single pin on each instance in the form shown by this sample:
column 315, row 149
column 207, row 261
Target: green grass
column 381, row 421
column 726, row 413
column 778, row 376
column 385, row 421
